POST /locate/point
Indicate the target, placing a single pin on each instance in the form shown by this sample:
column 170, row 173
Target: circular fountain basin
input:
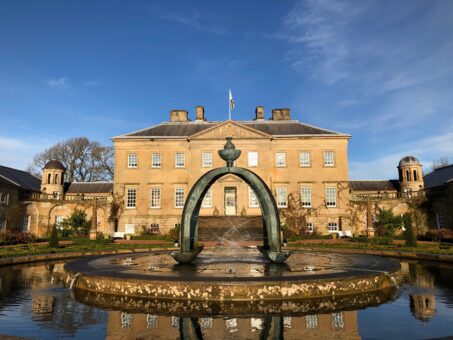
column 233, row 275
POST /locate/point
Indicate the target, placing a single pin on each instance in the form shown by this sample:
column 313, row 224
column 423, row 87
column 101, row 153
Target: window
column 337, row 320
column 56, row 179
column 331, row 197
column 332, row 227
column 415, row 175
column 151, row 321
column 310, row 227
column 126, row 320
column 58, row 222
column 281, row 197
column 180, row 160
column 305, row 197
column 132, row 161
column 4, row 198
column 252, row 158
column 280, row 159
column 49, row 176
column 155, row 198
column 253, row 200
column 287, row 322
column 206, row 323
column 2, row 224
column 131, row 198
column 329, row 158
column 179, row 197
column 26, row 223
column 408, row 175
column 156, row 160
column 304, row 158
column 207, row 199
column 311, row 321
column 206, row 159
column 175, row 321
column 440, row 221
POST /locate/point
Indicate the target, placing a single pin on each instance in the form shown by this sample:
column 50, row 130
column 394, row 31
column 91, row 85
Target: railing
column 387, row 196
column 35, row 196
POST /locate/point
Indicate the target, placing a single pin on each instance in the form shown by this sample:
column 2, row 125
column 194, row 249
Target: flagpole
column 229, row 105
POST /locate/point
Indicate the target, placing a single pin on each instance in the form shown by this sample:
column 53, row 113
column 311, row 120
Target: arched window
column 408, row 175
column 56, row 179
column 415, row 175
column 49, row 177
column 62, row 179
column 400, row 175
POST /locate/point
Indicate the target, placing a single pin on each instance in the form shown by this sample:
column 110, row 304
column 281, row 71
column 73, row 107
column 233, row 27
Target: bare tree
column 84, row 160
column 440, row 163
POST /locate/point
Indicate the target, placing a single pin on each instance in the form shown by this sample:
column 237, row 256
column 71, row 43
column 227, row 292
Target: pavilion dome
column 53, row 164
column 408, row 160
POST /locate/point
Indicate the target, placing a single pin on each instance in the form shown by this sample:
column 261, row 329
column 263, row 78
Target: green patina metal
column 271, row 221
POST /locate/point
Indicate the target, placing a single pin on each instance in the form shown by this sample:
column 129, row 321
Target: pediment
column 230, row 179
column 230, row 129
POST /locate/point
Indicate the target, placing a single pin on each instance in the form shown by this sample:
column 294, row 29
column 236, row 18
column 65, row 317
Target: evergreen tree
column 53, row 240
column 409, row 234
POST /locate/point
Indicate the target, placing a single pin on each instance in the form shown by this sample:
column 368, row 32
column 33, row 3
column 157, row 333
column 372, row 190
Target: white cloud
column 58, row 82
column 426, row 150
column 17, row 153
column 195, row 20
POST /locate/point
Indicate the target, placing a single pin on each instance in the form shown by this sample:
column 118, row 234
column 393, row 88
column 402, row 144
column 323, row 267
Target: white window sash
column 180, row 160
column 206, row 159
column 131, row 198
column 253, row 199
column 304, row 159
column 156, row 160
column 280, row 159
column 179, row 197
column 282, row 201
column 207, row 199
column 155, row 198
column 252, row 158
column 132, row 161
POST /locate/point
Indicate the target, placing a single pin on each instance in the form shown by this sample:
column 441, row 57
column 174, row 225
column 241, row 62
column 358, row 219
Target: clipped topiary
column 53, row 240
column 409, row 235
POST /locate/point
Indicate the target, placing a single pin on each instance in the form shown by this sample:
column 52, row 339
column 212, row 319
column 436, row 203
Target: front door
column 230, row 201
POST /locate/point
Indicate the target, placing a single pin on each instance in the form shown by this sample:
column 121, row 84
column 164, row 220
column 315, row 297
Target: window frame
column 330, row 204
column 250, row 153
column 278, row 201
column 3, row 223
column 332, row 224
column 207, row 165
column 129, row 199
column 328, row 165
column 310, row 228
column 179, row 166
column 152, row 160
column 302, row 188
column 176, row 206
column 277, row 160
column 152, row 199
column 4, row 198
column 252, row 194
column 129, row 155
column 207, row 200
column 309, row 159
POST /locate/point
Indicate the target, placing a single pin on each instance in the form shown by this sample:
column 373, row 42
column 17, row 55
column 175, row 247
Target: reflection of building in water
column 423, row 306
column 420, row 276
column 42, row 307
column 122, row 325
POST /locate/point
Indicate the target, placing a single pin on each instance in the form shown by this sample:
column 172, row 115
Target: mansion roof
column 19, row 179
column 265, row 128
column 389, row 185
column 89, row 188
column 439, row 176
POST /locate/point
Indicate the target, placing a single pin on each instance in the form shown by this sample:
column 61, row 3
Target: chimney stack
column 259, row 113
column 179, row 116
column 199, row 114
column 281, row 114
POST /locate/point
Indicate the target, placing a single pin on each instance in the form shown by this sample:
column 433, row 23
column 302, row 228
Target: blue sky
column 381, row 71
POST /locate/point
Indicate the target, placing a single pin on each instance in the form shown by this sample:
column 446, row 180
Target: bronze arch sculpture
column 271, row 220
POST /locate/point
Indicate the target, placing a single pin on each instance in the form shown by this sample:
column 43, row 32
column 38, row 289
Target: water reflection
column 35, row 304
column 123, row 325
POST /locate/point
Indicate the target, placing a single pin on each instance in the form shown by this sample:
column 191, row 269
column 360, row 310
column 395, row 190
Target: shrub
column 175, row 232
column 53, row 240
column 387, row 223
column 16, row 237
column 76, row 224
column 409, row 235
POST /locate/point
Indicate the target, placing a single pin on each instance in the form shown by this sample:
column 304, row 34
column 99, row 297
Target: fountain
column 236, row 279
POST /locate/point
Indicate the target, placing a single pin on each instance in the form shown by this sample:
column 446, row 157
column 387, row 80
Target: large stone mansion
column 306, row 168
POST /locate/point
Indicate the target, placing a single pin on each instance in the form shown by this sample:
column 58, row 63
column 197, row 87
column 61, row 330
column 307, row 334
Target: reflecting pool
column 35, row 304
